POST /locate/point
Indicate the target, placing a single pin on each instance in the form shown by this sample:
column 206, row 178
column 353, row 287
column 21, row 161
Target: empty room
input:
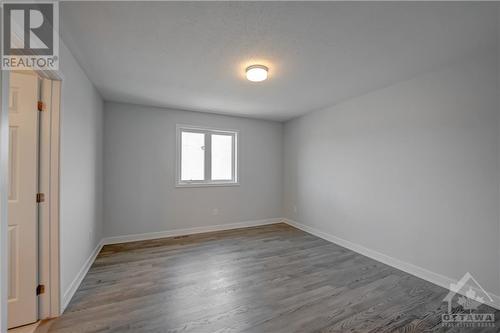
column 176, row 166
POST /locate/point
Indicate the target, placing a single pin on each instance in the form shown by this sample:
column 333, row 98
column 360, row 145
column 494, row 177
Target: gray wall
column 410, row 171
column 81, row 169
column 140, row 192
column 498, row 94
column 498, row 110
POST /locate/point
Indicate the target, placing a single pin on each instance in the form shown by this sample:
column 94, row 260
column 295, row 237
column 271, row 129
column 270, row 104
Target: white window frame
column 208, row 131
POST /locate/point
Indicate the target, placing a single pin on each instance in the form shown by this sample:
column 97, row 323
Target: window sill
column 206, row 184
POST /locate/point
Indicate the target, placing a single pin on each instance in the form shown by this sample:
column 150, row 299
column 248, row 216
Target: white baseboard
column 187, row 231
column 435, row 278
column 68, row 294
column 417, row 271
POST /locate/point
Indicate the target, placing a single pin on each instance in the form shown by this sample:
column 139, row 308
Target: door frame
column 4, row 174
column 49, row 143
column 49, row 302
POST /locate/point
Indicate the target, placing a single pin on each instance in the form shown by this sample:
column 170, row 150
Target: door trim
column 49, row 263
column 4, row 174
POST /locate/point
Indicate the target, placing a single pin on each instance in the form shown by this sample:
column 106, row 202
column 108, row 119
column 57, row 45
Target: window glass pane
column 193, row 156
column 222, row 156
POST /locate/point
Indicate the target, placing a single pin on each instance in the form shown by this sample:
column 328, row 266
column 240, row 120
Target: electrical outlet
column 295, row 209
column 215, row 211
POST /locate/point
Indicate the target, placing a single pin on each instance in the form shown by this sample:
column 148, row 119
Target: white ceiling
column 192, row 56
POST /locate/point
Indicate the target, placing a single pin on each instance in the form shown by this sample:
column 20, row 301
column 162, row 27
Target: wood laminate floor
column 264, row 279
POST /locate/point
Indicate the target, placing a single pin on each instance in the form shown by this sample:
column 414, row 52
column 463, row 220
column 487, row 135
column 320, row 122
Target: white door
column 23, row 184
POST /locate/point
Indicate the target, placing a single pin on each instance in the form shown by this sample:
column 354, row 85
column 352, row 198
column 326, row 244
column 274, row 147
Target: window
column 206, row 157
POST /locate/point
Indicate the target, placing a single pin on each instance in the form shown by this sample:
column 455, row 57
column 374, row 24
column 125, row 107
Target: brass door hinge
column 40, row 197
column 40, row 289
column 41, row 106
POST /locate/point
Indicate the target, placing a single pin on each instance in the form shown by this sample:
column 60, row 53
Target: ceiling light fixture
column 257, row 73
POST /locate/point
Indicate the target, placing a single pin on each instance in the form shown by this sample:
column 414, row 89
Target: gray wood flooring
column 264, row 279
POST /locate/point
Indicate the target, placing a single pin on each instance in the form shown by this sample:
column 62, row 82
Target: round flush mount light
column 257, row 73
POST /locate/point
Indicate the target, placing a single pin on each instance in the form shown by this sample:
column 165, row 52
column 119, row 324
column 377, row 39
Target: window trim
column 208, row 158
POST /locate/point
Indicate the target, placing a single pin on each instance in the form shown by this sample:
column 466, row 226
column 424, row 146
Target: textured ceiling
column 192, row 56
